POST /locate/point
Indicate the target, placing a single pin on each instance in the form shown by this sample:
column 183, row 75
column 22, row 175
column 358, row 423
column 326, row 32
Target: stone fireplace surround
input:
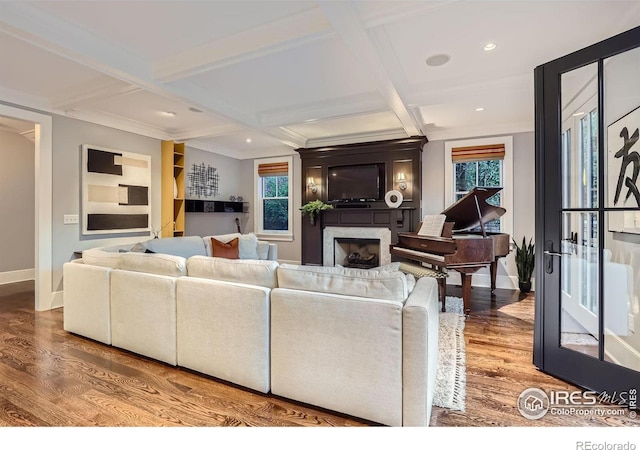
column 330, row 234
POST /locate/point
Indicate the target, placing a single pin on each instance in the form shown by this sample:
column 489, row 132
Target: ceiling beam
column 344, row 20
column 276, row 36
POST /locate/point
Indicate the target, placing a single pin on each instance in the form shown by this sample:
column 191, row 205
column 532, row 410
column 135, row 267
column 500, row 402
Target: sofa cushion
column 380, row 284
column 247, row 271
column 155, row 263
column 227, row 250
column 101, row 257
column 185, row 246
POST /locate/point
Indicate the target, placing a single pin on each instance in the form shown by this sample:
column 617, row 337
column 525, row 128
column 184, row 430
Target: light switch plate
column 70, row 219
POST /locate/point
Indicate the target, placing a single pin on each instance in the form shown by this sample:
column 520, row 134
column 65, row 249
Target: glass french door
column 587, row 328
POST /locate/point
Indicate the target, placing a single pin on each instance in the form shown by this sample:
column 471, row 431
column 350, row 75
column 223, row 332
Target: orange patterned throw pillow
column 222, row 250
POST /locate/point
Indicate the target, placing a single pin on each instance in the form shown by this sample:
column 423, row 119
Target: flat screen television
column 362, row 182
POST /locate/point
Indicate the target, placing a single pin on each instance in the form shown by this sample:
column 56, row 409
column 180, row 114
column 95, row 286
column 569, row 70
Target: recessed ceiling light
column 479, row 109
column 248, row 140
column 196, row 110
column 490, row 46
column 581, row 113
column 438, row 60
column 167, row 114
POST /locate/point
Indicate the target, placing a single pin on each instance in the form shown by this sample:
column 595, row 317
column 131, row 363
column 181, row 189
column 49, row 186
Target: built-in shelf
column 173, row 208
column 216, row 206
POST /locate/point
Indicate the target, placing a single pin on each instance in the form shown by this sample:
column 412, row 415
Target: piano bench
column 420, row 271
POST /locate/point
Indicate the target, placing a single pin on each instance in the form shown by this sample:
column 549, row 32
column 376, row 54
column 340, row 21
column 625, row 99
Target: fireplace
column 357, row 253
column 366, row 246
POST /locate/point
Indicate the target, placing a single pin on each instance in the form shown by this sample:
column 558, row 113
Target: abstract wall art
column 203, row 181
column 115, row 191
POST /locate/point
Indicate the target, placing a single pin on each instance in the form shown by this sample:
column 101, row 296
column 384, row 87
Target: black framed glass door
column 587, row 328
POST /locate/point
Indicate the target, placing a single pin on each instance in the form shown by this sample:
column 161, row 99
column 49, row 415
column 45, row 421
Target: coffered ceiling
column 289, row 74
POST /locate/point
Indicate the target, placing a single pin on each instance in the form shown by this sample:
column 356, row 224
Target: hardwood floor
column 49, row 377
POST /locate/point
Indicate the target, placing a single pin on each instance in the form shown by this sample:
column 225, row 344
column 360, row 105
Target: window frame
column 506, row 222
column 273, row 235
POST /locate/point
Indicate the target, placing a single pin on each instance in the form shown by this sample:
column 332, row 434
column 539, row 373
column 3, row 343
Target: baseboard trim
column 15, row 276
column 621, row 353
column 484, row 280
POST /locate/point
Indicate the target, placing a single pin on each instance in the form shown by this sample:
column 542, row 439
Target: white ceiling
column 289, row 74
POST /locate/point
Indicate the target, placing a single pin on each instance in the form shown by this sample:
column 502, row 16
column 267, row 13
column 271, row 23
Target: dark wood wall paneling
column 398, row 155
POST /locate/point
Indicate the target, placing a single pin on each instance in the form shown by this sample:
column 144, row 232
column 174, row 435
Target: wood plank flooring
column 49, row 377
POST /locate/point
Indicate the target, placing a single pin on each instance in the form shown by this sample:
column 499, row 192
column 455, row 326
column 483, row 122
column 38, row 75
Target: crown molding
column 473, row 132
column 103, row 88
column 238, row 154
column 118, row 122
column 357, row 138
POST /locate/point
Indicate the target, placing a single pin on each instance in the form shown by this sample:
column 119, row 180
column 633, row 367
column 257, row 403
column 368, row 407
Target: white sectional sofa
column 360, row 342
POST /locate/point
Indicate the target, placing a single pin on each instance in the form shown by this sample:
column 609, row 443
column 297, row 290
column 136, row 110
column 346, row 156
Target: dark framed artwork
column 623, row 168
column 115, row 191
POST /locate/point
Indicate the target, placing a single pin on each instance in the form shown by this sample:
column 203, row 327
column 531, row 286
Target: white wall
column 523, row 198
column 234, row 180
column 17, row 199
column 68, row 137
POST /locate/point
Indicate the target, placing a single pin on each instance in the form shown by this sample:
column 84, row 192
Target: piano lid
column 464, row 213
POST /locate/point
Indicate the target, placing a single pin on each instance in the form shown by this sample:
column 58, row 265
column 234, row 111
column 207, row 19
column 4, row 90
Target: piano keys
column 459, row 248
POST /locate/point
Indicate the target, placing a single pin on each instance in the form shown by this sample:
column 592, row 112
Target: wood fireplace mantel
column 398, row 155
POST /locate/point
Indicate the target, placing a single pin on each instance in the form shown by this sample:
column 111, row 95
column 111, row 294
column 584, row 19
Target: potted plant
column 525, row 262
column 312, row 209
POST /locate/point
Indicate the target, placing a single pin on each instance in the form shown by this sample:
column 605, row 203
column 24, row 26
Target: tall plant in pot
column 525, row 262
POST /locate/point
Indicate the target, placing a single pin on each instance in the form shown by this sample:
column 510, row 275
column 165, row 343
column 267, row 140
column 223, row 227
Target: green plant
column 525, row 259
column 312, row 209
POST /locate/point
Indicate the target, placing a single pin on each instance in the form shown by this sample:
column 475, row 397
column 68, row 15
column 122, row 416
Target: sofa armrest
column 86, row 300
column 273, row 252
column 420, row 321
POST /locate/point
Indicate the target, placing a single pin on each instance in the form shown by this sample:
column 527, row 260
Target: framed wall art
column 623, row 168
column 115, row 191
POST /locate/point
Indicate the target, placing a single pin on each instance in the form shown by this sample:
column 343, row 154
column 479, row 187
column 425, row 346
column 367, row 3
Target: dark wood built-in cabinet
column 397, row 156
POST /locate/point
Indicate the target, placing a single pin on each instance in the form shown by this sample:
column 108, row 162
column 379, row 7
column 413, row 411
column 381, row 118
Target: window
column 481, row 162
column 273, row 217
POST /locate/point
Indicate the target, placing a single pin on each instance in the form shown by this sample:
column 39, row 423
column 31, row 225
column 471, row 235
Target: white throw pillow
column 248, row 246
column 100, row 257
column 391, row 267
column 263, row 250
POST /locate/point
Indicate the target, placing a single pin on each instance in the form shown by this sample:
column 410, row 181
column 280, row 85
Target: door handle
column 547, row 252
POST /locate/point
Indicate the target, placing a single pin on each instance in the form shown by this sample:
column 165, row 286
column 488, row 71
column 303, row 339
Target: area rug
column 451, row 378
column 577, row 339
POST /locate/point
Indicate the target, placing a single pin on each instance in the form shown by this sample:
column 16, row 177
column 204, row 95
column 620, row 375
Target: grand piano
column 458, row 247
